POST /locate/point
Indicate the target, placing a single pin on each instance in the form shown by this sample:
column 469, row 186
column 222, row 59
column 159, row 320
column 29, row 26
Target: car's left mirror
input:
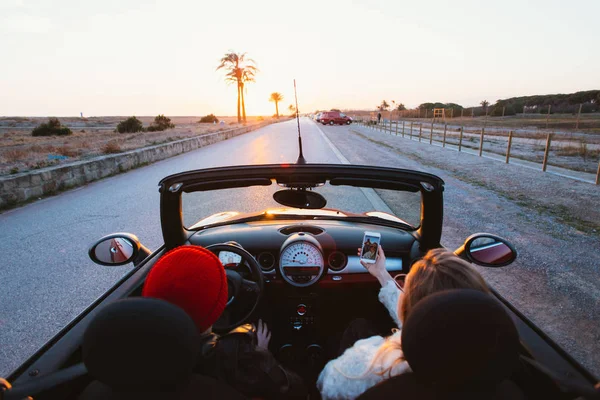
column 117, row 249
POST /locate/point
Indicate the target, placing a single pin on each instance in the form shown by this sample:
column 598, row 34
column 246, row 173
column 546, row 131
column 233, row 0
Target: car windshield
column 398, row 206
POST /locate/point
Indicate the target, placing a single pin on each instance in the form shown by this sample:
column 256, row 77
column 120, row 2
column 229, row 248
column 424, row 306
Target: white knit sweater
column 346, row 377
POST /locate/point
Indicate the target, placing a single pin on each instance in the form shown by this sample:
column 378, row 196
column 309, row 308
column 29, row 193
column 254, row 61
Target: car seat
column 143, row 348
column 460, row 344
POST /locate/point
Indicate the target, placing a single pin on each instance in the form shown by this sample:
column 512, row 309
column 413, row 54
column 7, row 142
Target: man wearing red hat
column 194, row 279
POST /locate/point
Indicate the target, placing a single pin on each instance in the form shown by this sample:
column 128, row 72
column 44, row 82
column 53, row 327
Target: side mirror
column 118, row 249
column 487, row 250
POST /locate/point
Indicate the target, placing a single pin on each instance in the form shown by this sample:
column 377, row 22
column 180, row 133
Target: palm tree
column 292, row 108
column 276, row 97
column 383, row 106
column 247, row 76
column 485, row 105
column 240, row 69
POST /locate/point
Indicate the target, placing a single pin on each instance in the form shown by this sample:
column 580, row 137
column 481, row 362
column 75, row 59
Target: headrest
column 460, row 337
column 192, row 278
column 141, row 344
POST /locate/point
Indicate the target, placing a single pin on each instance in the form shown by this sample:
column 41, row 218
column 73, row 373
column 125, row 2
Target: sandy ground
column 21, row 152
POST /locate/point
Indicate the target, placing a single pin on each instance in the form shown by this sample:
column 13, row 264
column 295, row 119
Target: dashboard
column 303, row 254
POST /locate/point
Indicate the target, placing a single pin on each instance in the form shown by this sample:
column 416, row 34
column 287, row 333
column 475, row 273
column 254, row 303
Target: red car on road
column 335, row 117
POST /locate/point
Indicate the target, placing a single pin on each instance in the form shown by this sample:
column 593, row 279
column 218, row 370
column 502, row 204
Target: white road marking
column 376, row 201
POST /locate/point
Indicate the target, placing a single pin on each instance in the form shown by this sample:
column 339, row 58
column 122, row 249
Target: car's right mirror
column 487, row 250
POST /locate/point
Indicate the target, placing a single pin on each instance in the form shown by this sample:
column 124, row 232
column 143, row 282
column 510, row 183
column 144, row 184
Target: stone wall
column 19, row 188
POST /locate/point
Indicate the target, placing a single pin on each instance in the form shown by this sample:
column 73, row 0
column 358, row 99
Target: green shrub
column 160, row 124
column 130, row 125
column 210, row 118
column 497, row 111
column 51, row 128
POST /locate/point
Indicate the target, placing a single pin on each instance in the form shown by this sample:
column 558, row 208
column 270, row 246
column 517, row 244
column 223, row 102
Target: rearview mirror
column 300, row 199
column 487, row 250
column 117, row 249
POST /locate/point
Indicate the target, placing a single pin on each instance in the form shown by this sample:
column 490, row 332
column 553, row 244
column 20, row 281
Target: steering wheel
column 238, row 287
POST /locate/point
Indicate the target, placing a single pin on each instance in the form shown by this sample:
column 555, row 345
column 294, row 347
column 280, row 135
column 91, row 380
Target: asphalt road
column 46, row 278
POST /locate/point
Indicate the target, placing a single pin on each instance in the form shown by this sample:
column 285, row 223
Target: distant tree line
column 559, row 103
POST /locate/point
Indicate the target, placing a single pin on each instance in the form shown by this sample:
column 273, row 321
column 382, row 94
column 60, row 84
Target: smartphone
column 369, row 246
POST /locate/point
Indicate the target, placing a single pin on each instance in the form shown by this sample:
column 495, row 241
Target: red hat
column 192, row 278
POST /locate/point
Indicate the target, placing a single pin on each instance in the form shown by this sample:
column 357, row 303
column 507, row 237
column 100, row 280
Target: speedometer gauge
column 301, row 254
column 301, row 262
column 229, row 258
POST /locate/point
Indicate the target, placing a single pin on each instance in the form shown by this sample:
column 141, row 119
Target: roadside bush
column 588, row 108
column 130, row 125
column 210, row 118
column 260, row 118
column 51, row 128
column 111, row 147
column 67, row 151
column 160, row 124
column 497, row 111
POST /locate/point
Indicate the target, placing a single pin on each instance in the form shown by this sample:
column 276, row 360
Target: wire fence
column 571, row 152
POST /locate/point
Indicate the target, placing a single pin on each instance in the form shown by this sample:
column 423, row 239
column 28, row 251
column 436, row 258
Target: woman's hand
column 263, row 336
column 377, row 269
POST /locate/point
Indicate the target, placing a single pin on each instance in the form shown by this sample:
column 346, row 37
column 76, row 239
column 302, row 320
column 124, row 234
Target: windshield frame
column 301, row 176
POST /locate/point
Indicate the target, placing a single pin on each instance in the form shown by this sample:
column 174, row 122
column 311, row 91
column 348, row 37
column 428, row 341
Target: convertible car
column 288, row 236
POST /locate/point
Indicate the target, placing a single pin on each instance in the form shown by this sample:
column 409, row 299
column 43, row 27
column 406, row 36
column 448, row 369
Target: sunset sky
column 119, row 57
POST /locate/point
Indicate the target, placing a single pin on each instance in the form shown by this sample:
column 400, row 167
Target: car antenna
column 301, row 159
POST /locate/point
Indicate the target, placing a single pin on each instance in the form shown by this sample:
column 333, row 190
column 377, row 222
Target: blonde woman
column 369, row 361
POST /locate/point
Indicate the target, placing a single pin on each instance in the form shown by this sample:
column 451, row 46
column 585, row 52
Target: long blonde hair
column 437, row 271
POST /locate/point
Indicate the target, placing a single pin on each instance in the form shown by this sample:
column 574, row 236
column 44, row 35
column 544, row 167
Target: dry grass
column 14, row 155
column 588, row 123
column 578, row 151
column 67, row 151
column 90, row 138
column 111, row 147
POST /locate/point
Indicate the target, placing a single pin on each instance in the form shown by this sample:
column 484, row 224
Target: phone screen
column 369, row 247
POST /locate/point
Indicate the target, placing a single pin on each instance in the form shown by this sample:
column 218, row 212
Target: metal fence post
column 481, row 141
column 402, row 128
column 411, row 129
column 397, row 127
column 548, row 141
column 510, row 135
column 444, row 141
column 460, row 139
column 420, row 131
